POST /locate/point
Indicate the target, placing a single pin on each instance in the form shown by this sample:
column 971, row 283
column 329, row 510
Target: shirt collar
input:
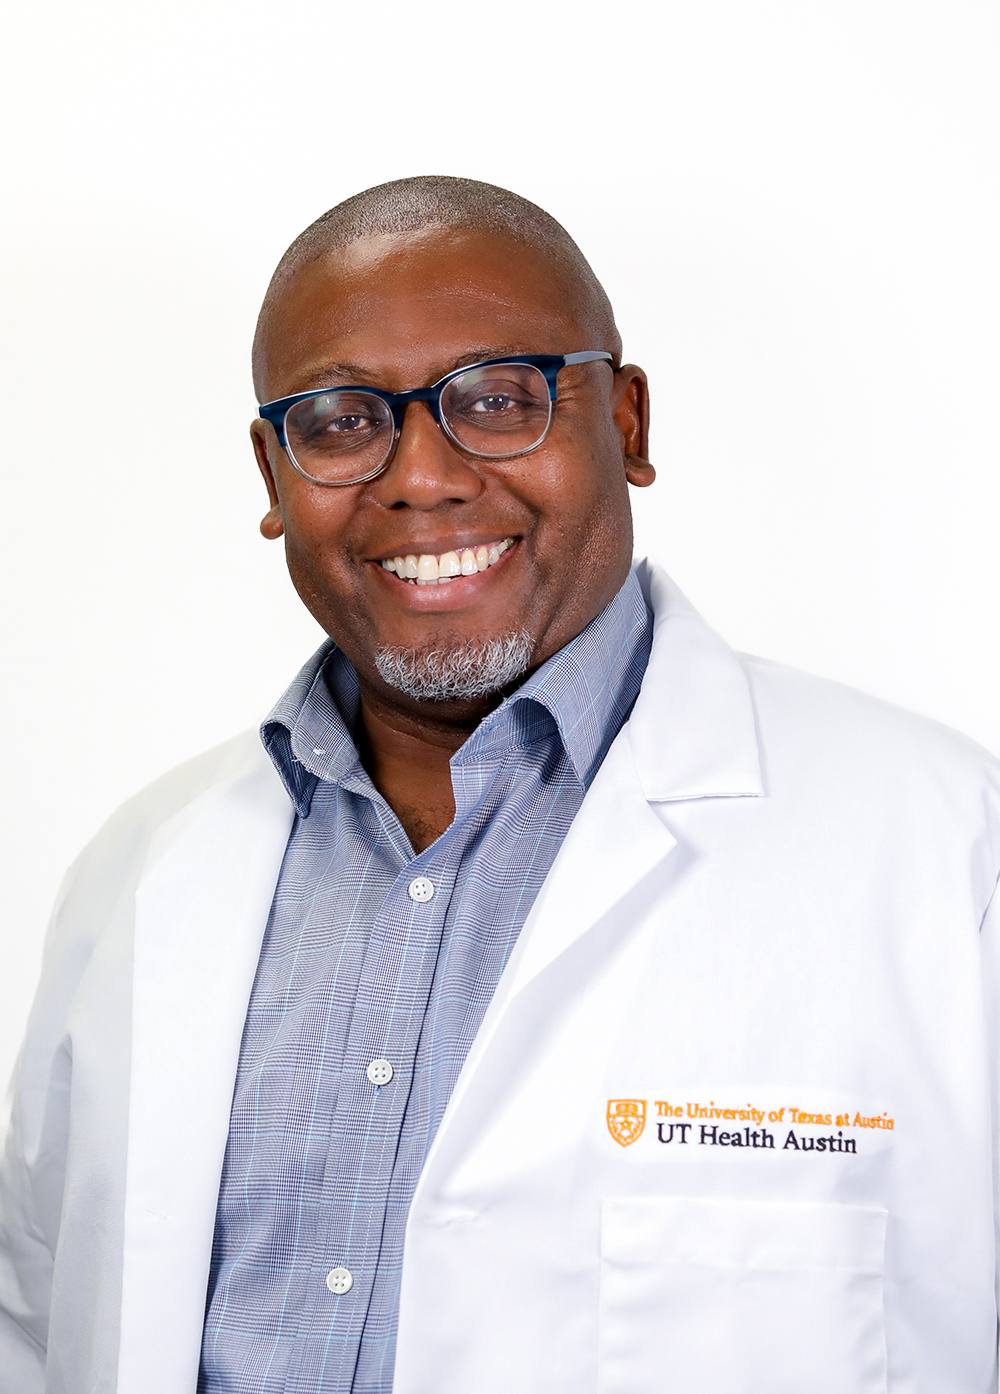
column 587, row 689
column 305, row 734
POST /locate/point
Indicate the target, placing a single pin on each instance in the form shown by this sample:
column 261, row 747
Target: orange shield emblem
column 626, row 1119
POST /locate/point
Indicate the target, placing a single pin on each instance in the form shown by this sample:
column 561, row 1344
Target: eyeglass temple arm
column 587, row 356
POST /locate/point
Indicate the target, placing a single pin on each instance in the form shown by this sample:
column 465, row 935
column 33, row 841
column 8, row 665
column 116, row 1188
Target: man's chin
column 459, row 671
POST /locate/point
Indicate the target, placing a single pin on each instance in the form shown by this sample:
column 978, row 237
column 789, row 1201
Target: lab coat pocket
column 746, row 1297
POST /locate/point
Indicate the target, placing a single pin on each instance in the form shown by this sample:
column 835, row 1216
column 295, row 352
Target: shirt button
column 421, row 889
column 379, row 1072
column 339, row 1281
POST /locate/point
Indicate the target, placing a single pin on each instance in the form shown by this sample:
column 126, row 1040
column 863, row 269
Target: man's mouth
column 431, row 570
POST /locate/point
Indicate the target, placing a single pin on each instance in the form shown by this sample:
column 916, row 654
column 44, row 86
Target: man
column 552, row 1001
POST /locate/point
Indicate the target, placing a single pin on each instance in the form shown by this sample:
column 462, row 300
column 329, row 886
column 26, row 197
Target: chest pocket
column 740, row 1297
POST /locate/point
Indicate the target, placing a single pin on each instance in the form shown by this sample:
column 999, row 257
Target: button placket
column 390, row 951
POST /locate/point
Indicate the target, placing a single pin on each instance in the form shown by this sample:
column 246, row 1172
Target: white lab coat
column 773, row 903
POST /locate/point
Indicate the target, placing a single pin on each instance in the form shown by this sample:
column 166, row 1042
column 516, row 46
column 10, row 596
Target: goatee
column 458, row 672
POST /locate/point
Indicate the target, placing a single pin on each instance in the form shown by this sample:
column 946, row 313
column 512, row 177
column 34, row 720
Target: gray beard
column 466, row 670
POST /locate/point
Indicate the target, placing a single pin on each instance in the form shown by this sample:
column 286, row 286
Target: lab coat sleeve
column 26, row 1248
column 25, row 1275
column 37, row 1166
column 34, row 1162
column 991, row 980
column 35, row 1171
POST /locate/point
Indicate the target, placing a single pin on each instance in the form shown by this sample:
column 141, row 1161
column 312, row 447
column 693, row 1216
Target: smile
column 431, row 570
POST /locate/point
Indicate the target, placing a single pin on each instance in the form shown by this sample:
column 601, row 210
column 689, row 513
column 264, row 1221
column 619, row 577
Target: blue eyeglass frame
column 548, row 364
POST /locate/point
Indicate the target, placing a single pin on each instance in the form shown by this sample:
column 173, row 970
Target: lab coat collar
column 692, row 730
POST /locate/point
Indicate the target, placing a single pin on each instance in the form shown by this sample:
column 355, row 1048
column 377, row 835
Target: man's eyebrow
column 356, row 374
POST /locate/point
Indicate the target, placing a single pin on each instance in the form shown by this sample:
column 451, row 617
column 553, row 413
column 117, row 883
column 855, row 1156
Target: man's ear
column 630, row 407
column 272, row 524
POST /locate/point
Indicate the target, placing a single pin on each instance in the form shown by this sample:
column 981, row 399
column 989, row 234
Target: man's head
column 394, row 289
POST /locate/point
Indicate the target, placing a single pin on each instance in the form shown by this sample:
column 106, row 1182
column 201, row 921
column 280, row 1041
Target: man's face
column 400, row 313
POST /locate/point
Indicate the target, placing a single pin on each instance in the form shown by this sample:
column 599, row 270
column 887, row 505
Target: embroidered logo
column 755, row 1126
column 626, row 1119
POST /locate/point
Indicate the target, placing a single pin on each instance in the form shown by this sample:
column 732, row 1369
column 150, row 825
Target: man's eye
column 348, row 423
column 490, row 400
column 494, row 402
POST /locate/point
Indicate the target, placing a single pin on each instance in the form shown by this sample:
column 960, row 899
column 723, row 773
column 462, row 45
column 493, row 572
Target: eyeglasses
column 496, row 410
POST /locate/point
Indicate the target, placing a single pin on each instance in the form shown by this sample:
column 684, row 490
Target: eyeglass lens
column 495, row 410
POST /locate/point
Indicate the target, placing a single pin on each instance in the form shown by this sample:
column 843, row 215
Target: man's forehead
column 416, row 303
column 412, row 272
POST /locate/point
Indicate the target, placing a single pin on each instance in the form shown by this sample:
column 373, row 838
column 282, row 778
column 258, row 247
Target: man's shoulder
column 97, row 896
column 125, row 836
column 235, row 759
column 819, row 722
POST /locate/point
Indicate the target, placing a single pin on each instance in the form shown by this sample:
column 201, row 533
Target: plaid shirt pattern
column 321, row 1162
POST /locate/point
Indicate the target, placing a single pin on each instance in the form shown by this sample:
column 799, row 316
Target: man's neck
column 407, row 753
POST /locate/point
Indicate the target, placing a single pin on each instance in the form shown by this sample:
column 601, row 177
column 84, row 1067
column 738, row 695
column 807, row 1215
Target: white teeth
column 449, row 565
column 429, row 570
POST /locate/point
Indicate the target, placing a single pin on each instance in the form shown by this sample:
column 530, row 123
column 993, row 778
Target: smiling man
column 547, row 999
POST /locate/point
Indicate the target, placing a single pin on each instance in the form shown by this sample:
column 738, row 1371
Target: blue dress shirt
column 376, row 969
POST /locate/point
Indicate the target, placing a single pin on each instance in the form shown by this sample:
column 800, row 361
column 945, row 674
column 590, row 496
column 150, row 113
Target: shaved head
column 414, row 206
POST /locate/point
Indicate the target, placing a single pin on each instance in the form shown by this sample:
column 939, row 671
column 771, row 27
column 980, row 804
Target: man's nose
column 427, row 469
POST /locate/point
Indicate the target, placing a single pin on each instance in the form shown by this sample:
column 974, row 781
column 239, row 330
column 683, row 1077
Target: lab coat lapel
column 201, row 909
column 605, row 854
column 691, row 735
column 613, row 842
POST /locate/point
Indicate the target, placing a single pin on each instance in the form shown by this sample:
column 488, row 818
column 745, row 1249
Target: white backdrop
column 793, row 205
